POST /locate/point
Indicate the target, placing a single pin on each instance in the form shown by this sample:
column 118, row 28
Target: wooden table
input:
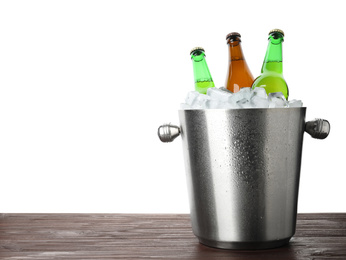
column 147, row 236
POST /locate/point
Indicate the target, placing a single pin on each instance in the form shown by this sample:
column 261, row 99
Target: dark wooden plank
column 147, row 236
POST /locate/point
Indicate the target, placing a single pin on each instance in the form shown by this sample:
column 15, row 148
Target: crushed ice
column 221, row 98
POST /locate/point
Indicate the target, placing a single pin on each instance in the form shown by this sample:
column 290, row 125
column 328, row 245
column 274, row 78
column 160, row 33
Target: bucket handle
column 167, row 132
column 318, row 128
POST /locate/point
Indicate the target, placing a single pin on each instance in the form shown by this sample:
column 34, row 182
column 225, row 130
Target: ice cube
column 200, row 101
column 226, row 90
column 191, row 97
column 242, row 93
column 246, row 92
column 212, row 104
column 295, row 103
column 260, row 92
column 218, row 94
column 244, row 103
column 277, row 99
column 257, row 101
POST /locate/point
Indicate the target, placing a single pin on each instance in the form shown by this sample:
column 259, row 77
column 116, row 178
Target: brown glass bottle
column 239, row 74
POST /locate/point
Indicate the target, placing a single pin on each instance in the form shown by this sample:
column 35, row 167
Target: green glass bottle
column 271, row 78
column 201, row 73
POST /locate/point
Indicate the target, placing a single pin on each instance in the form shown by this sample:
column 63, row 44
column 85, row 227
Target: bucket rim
column 237, row 109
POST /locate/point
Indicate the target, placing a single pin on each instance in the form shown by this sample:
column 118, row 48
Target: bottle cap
column 197, row 49
column 277, row 30
column 233, row 35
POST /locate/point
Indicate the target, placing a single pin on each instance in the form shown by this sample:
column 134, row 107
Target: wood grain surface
column 146, row 236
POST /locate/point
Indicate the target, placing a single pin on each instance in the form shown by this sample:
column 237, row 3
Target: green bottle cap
column 197, row 49
column 277, row 30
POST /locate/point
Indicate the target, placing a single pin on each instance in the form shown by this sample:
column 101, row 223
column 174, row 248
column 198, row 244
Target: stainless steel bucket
column 243, row 170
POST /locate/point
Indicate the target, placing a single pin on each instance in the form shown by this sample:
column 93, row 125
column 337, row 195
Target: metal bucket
column 243, row 168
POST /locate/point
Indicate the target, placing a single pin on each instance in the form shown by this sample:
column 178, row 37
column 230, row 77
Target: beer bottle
column 271, row 78
column 239, row 74
column 201, row 73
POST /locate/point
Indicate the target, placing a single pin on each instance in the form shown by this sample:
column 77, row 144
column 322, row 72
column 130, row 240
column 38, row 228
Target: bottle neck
column 234, row 50
column 273, row 58
column 200, row 68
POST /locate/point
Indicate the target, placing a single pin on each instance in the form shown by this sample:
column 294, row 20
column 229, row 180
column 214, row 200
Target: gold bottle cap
column 197, row 49
column 277, row 30
column 233, row 34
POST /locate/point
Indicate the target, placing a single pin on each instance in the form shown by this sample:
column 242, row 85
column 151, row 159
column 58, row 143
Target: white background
column 84, row 85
